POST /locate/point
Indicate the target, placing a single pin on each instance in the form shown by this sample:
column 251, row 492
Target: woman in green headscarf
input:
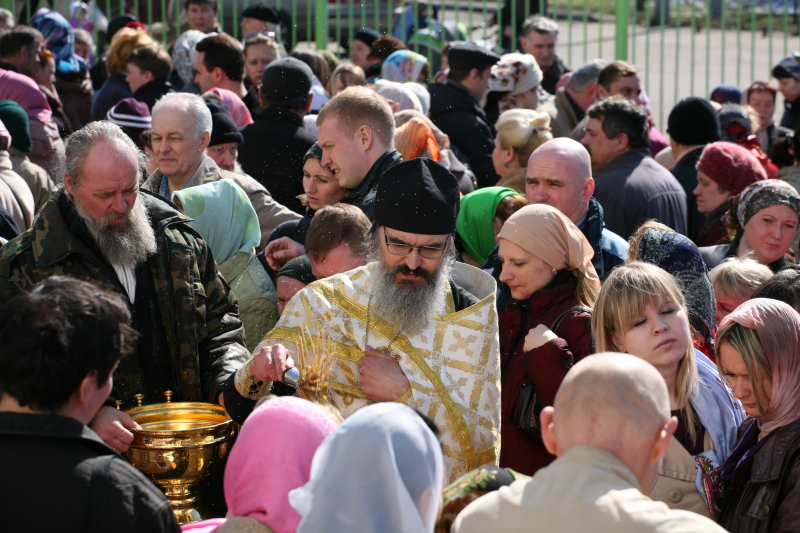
column 480, row 218
column 224, row 217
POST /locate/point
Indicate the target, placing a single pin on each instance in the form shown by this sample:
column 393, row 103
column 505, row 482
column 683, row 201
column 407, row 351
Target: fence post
column 321, row 24
column 622, row 30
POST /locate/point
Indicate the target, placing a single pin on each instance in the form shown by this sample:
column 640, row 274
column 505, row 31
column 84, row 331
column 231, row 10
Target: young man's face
column 201, row 17
column 789, row 87
column 137, row 77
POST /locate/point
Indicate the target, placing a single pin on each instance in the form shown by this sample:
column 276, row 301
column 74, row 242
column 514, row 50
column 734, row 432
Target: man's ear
column 623, row 142
column 148, row 76
column 365, row 137
column 308, row 104
column 659, row 447
column 204, row 140
column 548, row 430
column 219, row 75
column 69, row 184
column 588, row 190
column 84, row 390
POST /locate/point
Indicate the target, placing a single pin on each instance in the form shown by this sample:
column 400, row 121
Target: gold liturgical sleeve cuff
column 404, row 398
column 248, row 386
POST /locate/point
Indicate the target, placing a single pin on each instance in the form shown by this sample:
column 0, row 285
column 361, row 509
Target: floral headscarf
column 403, row 66
column 680, row 257
column 515, row 74
column 763, row 194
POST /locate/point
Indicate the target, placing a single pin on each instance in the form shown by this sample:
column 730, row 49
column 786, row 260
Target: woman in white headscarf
column 514, row 84
column 381, row 470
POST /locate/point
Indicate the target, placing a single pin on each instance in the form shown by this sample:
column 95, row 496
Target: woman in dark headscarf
column 763, row 221
column 656, row 244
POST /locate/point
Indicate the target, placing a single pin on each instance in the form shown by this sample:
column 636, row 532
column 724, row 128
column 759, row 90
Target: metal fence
column 683, row 47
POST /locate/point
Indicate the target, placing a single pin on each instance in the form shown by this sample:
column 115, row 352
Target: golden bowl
column 180, row 446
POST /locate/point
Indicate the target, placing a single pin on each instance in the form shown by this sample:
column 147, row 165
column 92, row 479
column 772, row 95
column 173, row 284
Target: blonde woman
column 640, row 310
column 519, row 133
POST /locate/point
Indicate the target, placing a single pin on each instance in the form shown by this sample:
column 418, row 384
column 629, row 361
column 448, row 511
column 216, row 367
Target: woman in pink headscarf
column 272, row 456
column 48, row 148
column 759, row 355
column 241, row 115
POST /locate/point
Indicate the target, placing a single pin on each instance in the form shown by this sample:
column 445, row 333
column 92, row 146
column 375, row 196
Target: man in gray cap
column 274, row 145
column 456, row 108
column 414, row 326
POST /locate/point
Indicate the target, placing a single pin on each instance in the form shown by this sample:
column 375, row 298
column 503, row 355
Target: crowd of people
column 513, row 304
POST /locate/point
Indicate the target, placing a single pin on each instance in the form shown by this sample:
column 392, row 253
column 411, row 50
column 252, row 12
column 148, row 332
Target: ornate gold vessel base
column 180, row 446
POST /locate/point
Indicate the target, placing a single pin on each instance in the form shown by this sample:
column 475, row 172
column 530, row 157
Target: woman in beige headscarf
column 547, row 264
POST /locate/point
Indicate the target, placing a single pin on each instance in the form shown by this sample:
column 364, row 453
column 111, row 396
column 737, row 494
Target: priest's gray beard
column 403, row 305
column 128, row 245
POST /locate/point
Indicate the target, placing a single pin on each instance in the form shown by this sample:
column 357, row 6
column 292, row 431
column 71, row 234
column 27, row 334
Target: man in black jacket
column 356, row 134
column 692, row 124
column 73, row 335
column 274, row 145
column 456, row 108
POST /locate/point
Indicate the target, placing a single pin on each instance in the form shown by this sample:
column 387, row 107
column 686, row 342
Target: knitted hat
column 18, row 124
column 298, row 268
column 789, row 67
column 734, row 122
column 730, row 166
column 366, row 36
column 223, row 129
column 693, row 121
column 726, row 93
column 130, row 113
column 285, row 79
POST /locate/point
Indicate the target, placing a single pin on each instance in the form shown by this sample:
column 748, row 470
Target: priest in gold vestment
column 414, row 326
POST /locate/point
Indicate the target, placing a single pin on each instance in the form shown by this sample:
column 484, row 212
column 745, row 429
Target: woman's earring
column 554, row 271
column 505, row 165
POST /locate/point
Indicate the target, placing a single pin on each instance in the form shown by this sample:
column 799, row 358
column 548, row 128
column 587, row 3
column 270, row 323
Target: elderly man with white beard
column 101, row 227
column 414, row 326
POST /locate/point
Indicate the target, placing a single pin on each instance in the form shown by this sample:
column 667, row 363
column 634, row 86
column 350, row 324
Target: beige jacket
column 48, row 148
column 15, row 195
column 514, row 180
column 562, row 117
column 39, row 182
column 586, row 489
column 270, row 213
column 675, row 484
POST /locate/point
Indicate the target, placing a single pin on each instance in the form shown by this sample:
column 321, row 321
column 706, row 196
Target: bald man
column 560, row 174
column 609, row 426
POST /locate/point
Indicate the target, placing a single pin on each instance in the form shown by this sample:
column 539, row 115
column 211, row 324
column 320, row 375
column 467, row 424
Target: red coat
column 546, row 365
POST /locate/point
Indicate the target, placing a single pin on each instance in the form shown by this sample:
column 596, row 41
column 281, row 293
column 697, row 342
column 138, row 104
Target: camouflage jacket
column 200, row 314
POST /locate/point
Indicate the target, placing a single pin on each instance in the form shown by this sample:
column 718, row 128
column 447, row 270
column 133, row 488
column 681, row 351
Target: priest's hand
column 270, row 362
column 281, row 251
column 381, row 377
column 112, row 426
column 538, row 336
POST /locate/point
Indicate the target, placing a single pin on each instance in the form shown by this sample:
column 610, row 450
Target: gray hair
column 586, row 75
column 539, row 24
column 6, row 17
column 192, row 103
column 80, row 142
column 83, row 37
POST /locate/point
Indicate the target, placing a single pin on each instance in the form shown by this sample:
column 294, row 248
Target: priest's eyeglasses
column 427, row 252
